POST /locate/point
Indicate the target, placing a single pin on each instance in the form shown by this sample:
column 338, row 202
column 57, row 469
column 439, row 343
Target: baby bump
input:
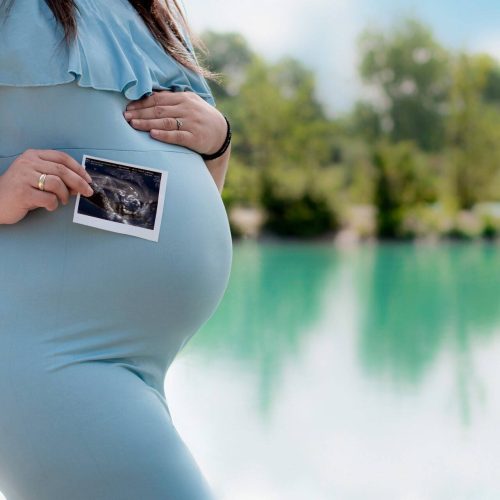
column 96, row 294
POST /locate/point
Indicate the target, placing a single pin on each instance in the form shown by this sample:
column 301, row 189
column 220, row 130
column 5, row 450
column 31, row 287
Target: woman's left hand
column 203, row 127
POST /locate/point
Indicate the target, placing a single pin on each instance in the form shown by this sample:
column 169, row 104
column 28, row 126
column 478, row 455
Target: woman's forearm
column 218, row 168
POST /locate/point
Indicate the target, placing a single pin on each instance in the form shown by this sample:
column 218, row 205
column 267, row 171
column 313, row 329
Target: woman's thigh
column 97, row 431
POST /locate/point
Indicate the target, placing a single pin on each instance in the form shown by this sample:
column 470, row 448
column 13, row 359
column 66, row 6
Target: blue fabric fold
column 114, row 51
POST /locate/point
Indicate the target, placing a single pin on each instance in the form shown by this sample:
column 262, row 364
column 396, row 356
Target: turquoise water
column 364, row 373
column 358, row 374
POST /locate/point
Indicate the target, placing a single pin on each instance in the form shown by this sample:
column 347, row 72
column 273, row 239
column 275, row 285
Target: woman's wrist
column 225, row 145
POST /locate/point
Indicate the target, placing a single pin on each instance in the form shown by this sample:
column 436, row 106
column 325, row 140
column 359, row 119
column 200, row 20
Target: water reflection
column 413, row 303
column 369, row 373
column 419, row 302
column 274, row 298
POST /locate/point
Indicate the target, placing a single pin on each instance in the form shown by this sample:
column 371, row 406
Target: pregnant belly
column 81, row 293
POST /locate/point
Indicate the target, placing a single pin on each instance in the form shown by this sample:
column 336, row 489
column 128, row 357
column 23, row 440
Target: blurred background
column 359, row 121
column 356, row 352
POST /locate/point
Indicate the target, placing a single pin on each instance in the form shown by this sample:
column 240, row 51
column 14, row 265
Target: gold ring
column 179, row 123
column 41, row 182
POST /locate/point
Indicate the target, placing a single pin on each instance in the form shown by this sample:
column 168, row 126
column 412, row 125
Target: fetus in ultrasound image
column 121, row 193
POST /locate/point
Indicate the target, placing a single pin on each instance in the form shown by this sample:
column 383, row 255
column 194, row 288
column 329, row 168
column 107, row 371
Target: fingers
column 43, row 199
column 180, row 137
column 160, row 111
column 163, row 97
column 72, row 179
column 53, row 184
column 20, row 191
column 157, row 123
column 65, row 159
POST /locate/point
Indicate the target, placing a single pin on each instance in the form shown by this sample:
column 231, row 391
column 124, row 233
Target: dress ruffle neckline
column 114, row 50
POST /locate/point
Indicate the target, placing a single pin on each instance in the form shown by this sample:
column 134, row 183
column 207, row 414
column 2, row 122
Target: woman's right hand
column 19, row 191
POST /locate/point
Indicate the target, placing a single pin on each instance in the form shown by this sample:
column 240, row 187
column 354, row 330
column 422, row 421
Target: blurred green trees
column 410, row 71
column 424, row 151
column 473, row 131
column 404, row 181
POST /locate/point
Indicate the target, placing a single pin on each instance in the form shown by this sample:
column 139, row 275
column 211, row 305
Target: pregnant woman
column 90, row 319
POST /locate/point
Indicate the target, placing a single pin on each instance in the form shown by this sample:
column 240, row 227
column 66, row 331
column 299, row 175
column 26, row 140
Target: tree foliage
column 428, row 138
column 409, row 69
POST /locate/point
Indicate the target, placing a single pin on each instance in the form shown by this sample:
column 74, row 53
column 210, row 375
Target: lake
column 362, row 373
column 358, row 374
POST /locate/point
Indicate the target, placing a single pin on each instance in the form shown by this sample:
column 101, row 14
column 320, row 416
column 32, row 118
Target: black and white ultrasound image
column 121, row 194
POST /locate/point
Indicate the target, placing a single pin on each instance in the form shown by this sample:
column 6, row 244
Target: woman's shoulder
column 114, row 50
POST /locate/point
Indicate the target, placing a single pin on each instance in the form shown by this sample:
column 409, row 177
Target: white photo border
column 119, row 227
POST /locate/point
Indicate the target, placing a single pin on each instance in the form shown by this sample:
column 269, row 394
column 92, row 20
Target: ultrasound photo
column 127, row 198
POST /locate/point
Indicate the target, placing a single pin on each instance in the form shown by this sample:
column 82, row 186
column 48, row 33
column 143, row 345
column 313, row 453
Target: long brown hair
column 162, row 17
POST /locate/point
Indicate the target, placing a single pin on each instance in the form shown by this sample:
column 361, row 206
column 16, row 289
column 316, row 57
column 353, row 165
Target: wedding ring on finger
column 41, row 182
column 179, row 123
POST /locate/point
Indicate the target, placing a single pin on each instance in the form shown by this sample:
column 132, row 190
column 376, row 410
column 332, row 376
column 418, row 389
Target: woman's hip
column 95, row 430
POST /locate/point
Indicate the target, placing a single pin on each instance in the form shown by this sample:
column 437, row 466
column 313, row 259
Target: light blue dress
column 90, row 320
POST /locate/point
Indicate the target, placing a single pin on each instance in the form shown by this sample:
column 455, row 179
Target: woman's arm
column 218, row 168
